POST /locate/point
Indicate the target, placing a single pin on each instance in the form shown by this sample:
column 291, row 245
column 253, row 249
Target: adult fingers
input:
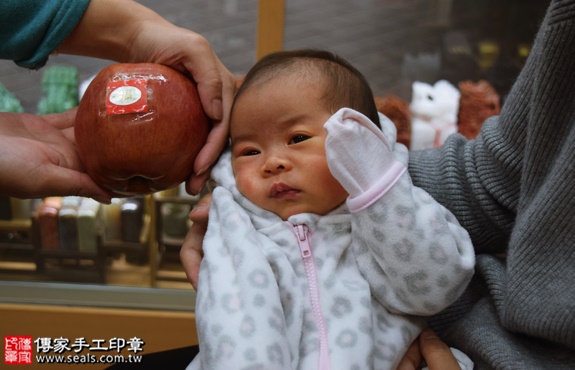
column 56, row 180
column 218, row 135
column 62, row 120
column 196, row 183
column 436, row 353
column 215, row 144
column 191, row 252
column 205, row 69
column 412, row 358
column 199, row 213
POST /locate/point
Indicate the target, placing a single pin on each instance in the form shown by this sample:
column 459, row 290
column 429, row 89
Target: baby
column 320, row 253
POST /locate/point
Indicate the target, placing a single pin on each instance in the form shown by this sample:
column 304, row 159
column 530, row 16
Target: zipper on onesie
column 303, row 239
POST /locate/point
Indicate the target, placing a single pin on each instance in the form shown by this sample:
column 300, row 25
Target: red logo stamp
column 17, row 350
column 126, row 96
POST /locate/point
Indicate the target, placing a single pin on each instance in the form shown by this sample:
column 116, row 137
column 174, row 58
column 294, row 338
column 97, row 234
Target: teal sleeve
column 31, row 30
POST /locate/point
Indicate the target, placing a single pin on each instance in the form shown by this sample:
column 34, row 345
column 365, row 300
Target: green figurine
column 9, row 102
column 60, row 88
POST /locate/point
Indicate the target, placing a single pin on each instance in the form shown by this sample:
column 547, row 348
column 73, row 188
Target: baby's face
column 278, row 149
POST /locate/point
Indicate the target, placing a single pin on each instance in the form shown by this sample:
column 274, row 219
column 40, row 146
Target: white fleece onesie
column 346, row 290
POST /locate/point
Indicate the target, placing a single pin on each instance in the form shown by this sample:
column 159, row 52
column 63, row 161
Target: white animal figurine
column 433, row 113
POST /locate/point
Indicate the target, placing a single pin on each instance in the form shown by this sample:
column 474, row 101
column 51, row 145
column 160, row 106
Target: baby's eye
column 250, row 152
column 298, row 139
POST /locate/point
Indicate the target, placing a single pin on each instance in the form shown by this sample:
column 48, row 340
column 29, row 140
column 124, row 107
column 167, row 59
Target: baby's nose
column 276, row 164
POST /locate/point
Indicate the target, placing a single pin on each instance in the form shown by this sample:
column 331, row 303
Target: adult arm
column 32, row 29
column 512, row 189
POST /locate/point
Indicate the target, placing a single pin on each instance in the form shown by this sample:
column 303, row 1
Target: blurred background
column 392, row 42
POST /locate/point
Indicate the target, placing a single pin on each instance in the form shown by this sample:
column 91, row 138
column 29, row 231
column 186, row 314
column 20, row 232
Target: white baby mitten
column 360, row 157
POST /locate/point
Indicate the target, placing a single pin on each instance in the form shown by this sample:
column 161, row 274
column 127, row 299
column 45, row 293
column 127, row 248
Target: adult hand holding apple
column 139, row 128
column 128, row 32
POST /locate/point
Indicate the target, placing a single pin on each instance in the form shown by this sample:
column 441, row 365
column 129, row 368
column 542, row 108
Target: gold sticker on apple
column 126, row 96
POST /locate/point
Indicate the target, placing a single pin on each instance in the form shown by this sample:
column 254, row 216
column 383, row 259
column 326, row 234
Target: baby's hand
column 360, row 157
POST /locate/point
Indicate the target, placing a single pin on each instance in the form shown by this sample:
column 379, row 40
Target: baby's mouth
column 280, row 190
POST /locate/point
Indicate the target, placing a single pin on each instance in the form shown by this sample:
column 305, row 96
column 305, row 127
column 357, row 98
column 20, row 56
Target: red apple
column 139, row 128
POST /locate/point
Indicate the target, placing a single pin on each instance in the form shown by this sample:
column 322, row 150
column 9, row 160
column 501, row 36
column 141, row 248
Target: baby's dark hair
column 344, row 86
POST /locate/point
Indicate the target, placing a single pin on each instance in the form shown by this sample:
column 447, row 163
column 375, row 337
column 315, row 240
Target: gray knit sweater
column 513, row 189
